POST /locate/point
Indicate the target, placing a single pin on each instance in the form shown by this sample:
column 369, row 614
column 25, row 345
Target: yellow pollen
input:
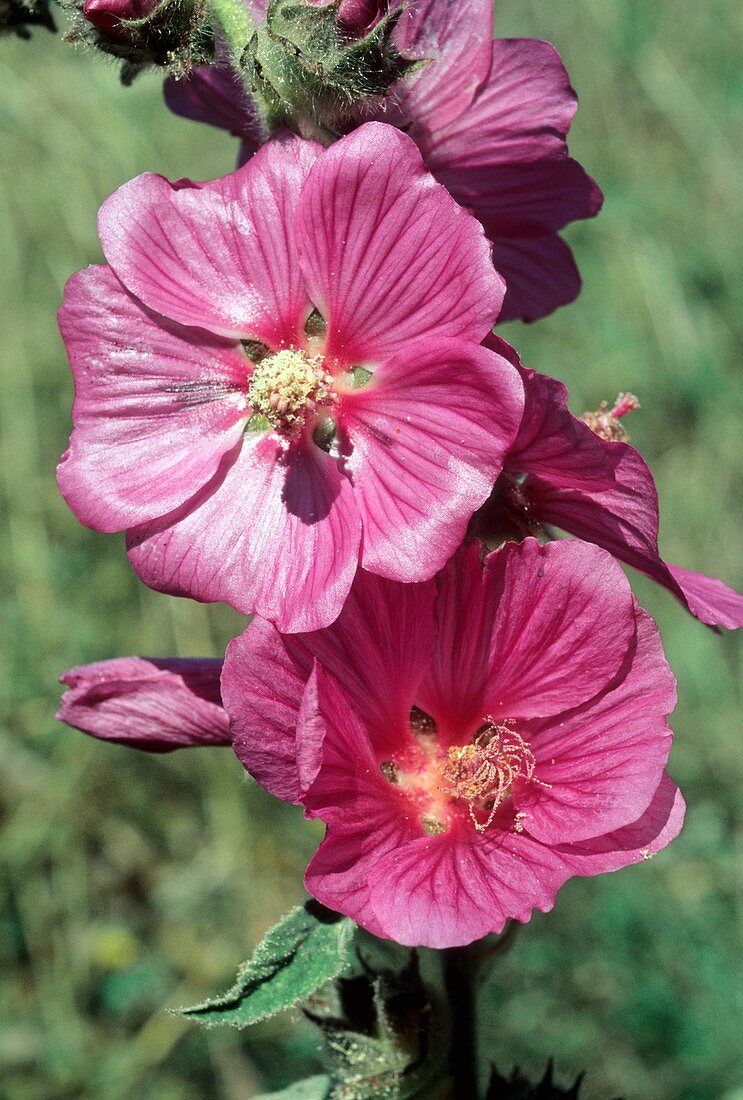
column 287, row 388
column 483, row 773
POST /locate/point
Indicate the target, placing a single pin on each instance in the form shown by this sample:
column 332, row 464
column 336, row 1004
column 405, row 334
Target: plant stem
column 237, row 26
column 457, row 963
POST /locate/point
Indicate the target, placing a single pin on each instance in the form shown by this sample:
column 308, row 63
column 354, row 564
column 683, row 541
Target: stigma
column 483, row 773
column 287, row 388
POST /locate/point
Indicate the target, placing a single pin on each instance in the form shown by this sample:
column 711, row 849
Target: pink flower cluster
column 289, row 397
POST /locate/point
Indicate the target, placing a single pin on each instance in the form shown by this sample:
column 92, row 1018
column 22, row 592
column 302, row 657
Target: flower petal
column 540, row 273
column 156, row 405
column 453, row 37
column 387, row 253
column 147, row 702
column 429, row 432
column 532, row 631
column 377, row 649
column 624, row 520
column 365, row 815
column 219, row 255
column 603, row 761
column 215, row 95
column 276, row 532
column 449, row 890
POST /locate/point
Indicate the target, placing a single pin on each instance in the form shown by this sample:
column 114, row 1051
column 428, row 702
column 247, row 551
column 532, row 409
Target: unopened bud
column 172, row 34
column 313, row 65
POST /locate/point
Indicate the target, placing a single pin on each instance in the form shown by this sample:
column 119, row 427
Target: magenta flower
column 490, row 118
column 147, row 703
column 107, row 15
column 470, row 743
column 597, row 488
column 282, row 361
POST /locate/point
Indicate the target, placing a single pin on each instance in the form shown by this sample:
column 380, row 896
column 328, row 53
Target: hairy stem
column 235, row 23
column 458, row 979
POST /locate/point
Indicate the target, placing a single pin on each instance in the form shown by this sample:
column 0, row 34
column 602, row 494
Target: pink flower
column 470, row 742
column 147, row 703
column 598, row 489
column 279, row 362
column 491, row 119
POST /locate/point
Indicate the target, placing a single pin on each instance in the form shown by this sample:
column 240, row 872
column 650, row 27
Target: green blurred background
column 133, row 884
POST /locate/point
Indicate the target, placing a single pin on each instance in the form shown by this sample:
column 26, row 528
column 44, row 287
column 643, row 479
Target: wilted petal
column 156, row 405
column 276, row 533
column 147, row 702
column 219, row 255
column 388, row 255
column 540, row 273
column 429, row 432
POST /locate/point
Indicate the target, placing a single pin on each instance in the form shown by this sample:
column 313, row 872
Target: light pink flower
column 279, row 377
column 491, row 119
column 470, row 743
column 560, row 473
column 147, row 702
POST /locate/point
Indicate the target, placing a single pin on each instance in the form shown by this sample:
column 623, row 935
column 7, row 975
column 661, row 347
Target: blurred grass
column 133, row 884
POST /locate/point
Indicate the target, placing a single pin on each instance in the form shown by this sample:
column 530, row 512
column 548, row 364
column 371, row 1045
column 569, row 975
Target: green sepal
column 304, row 69
column 302, row 953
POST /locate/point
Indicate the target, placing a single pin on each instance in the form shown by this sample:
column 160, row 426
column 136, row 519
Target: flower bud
column 314, row 64
column 111, row 16
column 173, row 34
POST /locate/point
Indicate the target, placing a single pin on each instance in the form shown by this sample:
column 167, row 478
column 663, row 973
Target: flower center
column 286, row 388
column 483, row 773
column 605, row 422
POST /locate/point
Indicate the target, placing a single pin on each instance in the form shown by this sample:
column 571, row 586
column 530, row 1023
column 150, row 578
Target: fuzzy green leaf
column 307, row 949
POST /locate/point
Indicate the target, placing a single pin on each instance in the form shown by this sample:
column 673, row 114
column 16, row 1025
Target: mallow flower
column 470, row 742
column 279, row 377
column 491, row 120
column 583, row 477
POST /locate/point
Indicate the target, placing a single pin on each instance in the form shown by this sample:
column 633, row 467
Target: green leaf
column 312, row 1088
column 307, row 949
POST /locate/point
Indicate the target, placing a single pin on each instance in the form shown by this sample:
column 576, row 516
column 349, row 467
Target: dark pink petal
column 551, row 441
column 524, row 635
column 521, row 113
column 506, row 157
column 599, row 765
column 540, row 273
column 449, row 890
column 624, row 520
column 454, row 36
column 276, row 532
column 377, row 649
column 453, row 889
column 215, row 95
column 429, row 432
column 712, row 601
column 388, row 255
column 365, row 815
column 147, row 703
column 156, row 405
column 634, row 843
column 220, row 255
column 262, row 687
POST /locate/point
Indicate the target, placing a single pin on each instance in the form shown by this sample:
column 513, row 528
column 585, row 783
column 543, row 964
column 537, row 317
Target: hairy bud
column 314, row 65
column 172, row 34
